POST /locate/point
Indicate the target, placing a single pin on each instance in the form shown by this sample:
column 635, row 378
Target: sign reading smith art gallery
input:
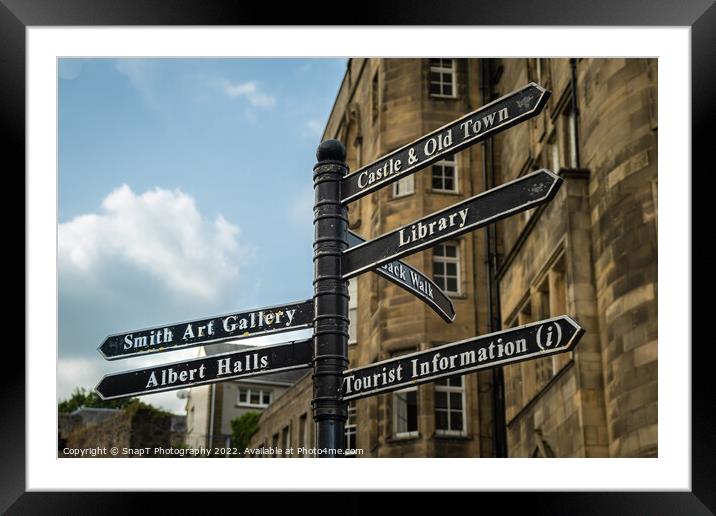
column 235, row 326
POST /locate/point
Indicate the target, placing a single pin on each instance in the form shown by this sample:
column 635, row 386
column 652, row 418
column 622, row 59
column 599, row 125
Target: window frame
column 450, row 160
column 410, row 178
column 445, row 260
column 447, row 390
column 440, row 69
column 410, row 433
column 248, row 391
column 351, row 428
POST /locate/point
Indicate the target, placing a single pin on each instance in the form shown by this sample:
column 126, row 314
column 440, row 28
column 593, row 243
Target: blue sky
column 185, row 191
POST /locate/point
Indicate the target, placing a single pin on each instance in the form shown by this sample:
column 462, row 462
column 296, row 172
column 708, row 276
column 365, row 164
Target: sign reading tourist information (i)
column 500, row 202
column 474, row 127
column 209, row 369
column 414, row 282
column 531, row 341
column 239, row 325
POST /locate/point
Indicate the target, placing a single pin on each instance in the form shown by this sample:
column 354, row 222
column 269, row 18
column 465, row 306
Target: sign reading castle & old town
column 474, row 127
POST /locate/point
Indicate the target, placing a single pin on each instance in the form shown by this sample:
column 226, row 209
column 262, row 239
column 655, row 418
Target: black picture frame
column 17, row 15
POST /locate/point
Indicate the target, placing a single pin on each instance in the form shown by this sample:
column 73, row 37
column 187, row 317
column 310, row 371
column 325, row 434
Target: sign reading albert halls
column 214, row 368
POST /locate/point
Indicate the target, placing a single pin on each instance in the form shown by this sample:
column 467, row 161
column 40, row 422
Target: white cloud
column 250, row 91
column 314, row 127
column 159, row 232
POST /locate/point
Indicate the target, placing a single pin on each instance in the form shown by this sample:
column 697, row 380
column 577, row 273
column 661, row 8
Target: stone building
column 211, row 408
column 590, row 253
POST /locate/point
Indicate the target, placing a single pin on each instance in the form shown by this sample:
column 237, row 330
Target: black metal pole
column 330, row 299
column 499, row 432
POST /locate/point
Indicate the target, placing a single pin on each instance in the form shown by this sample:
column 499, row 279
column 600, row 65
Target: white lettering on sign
column 420, row 231
column 252, row 362
column 475, row 126
column 420, row 284
column 385, row 377
column 388, row 168
column 396, row 269
column 257, row 320
column 169, row 376
column 155, row 338
column 445, row 363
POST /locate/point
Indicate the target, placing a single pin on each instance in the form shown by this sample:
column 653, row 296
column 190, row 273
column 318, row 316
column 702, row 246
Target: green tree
column 243, row 427
column 83, row 398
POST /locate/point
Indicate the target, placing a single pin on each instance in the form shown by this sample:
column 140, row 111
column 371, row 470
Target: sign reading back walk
column 531, row 341
column 213, row 368
column 414, row 282
column 239, row 325
column 474, row 127
column 500, row 202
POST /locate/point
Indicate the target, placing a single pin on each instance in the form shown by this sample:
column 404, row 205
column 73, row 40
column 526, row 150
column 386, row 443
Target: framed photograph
column 505, row 244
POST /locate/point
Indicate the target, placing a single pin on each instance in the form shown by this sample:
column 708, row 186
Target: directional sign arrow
column 414, row 282
column 472, row 128
column 235, row 326
column 210, row 369
column 531, row 341
column 500, row 202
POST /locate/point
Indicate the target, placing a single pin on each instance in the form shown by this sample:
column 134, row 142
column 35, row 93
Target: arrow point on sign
column 578, row 332
column 97, row 390
column 556, row 183
column 100, row 349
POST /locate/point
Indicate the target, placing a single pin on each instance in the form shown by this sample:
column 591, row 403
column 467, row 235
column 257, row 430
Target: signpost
column 472, row 128
column 340, row 254
column 234, row 326
column 521, row 194
column 214, row 368
column 531, row 341
column 414, row 282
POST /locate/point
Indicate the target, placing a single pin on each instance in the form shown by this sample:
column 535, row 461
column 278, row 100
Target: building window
column 405, row 186
column 444, row 175
column 375, row 98
column 450, row 406
column 442, row 77
column 353, row 311
column 405, row 412
column 351, row 429
column 446, row 267
column 253, row 397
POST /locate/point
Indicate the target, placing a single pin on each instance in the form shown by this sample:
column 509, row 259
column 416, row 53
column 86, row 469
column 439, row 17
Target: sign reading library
column 519, row 195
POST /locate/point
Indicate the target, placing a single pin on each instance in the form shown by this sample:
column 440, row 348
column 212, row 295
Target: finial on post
column 331, row 150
